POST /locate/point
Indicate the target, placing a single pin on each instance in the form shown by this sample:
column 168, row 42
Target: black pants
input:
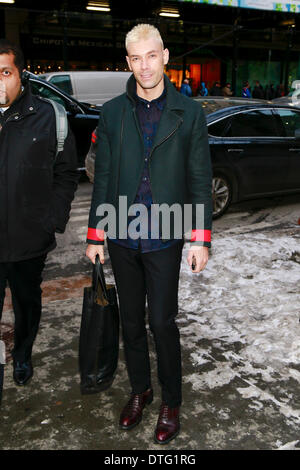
column 24, row 279
column 155, row 275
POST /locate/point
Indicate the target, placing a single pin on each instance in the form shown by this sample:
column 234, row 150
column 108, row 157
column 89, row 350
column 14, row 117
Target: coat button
column 16, row 117
column 31, row 108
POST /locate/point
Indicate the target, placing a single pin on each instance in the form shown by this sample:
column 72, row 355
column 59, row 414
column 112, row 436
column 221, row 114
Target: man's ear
column 24, row 77
column 166, row 56
column 128, row 63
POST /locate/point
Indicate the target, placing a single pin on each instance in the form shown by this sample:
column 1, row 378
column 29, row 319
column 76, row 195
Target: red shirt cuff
column 95, row 234
column 201, row 236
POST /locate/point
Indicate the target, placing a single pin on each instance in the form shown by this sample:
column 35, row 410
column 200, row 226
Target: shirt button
column 148, row 106
column 145, row 179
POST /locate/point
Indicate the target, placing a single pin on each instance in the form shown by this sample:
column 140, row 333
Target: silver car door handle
column 294, row 150
column 235, row 150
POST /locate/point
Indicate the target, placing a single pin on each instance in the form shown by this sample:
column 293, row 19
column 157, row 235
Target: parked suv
column 90, row 87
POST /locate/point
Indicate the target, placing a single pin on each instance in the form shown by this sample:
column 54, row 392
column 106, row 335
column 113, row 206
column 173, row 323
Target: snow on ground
column 240, row 317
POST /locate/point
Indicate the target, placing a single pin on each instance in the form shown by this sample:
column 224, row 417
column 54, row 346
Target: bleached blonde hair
column 142, row 31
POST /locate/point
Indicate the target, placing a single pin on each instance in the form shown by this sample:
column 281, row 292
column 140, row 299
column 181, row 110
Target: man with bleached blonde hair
column 153, row 149
column 142, row 32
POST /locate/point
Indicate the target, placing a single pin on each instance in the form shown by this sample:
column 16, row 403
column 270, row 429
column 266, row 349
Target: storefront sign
column 290, row 6
column 72, row 42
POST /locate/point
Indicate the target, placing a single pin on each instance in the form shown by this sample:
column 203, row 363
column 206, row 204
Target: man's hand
column 93, row 250
column 198, row 255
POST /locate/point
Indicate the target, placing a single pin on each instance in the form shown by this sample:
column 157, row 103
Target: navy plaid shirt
column 148, row 113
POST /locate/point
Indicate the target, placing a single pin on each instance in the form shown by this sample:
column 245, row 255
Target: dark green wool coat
column 179, row 165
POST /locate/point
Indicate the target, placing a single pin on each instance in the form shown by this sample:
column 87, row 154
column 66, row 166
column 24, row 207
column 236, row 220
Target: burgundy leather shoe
column 133, row 411
column 168, row 425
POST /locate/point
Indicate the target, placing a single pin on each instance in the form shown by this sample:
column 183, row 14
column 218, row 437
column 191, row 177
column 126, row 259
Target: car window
column 63, row 82
column 256, row 123
column 219, row 128
column 290, row 121
column 45, row 92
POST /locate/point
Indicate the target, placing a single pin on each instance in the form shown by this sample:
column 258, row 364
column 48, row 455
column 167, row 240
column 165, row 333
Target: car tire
column 221, row 194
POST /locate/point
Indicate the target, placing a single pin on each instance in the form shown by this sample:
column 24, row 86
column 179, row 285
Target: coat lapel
column 168, row 124
column 171, row 116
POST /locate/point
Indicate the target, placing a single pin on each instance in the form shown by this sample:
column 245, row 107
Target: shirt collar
column 159, row 102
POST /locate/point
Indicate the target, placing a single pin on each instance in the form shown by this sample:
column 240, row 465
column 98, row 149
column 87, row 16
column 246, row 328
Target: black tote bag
column 99, row 334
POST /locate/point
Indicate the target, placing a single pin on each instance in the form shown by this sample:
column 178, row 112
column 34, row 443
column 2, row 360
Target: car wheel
column 221, row 193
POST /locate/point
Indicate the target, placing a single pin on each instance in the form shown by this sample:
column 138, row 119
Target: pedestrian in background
column 270, row 92
column 226, row 90
column 246, row 93
column 216, row 89
column 258, row 91
column 202, row 90
column 36, row 191
column 185, row 88
column 172, row 130
column 279, row 92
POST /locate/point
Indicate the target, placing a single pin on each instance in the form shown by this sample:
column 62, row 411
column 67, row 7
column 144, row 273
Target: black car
column 83, row 117
column 255, row 150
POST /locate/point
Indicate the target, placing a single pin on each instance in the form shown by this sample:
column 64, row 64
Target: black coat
column 258, row 92
column 35, row 191
column 179, row 163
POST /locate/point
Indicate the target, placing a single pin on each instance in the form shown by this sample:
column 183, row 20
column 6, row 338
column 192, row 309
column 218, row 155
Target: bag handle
column 98, row 276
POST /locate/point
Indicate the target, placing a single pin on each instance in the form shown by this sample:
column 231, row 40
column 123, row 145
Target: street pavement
column 240, row 335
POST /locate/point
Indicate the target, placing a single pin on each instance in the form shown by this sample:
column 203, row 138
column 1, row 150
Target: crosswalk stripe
column 82, row 229
column 81, row 201
column 80, row 209
column 79, row 218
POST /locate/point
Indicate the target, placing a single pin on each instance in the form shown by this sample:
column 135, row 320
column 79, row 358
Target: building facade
column 207, row 42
